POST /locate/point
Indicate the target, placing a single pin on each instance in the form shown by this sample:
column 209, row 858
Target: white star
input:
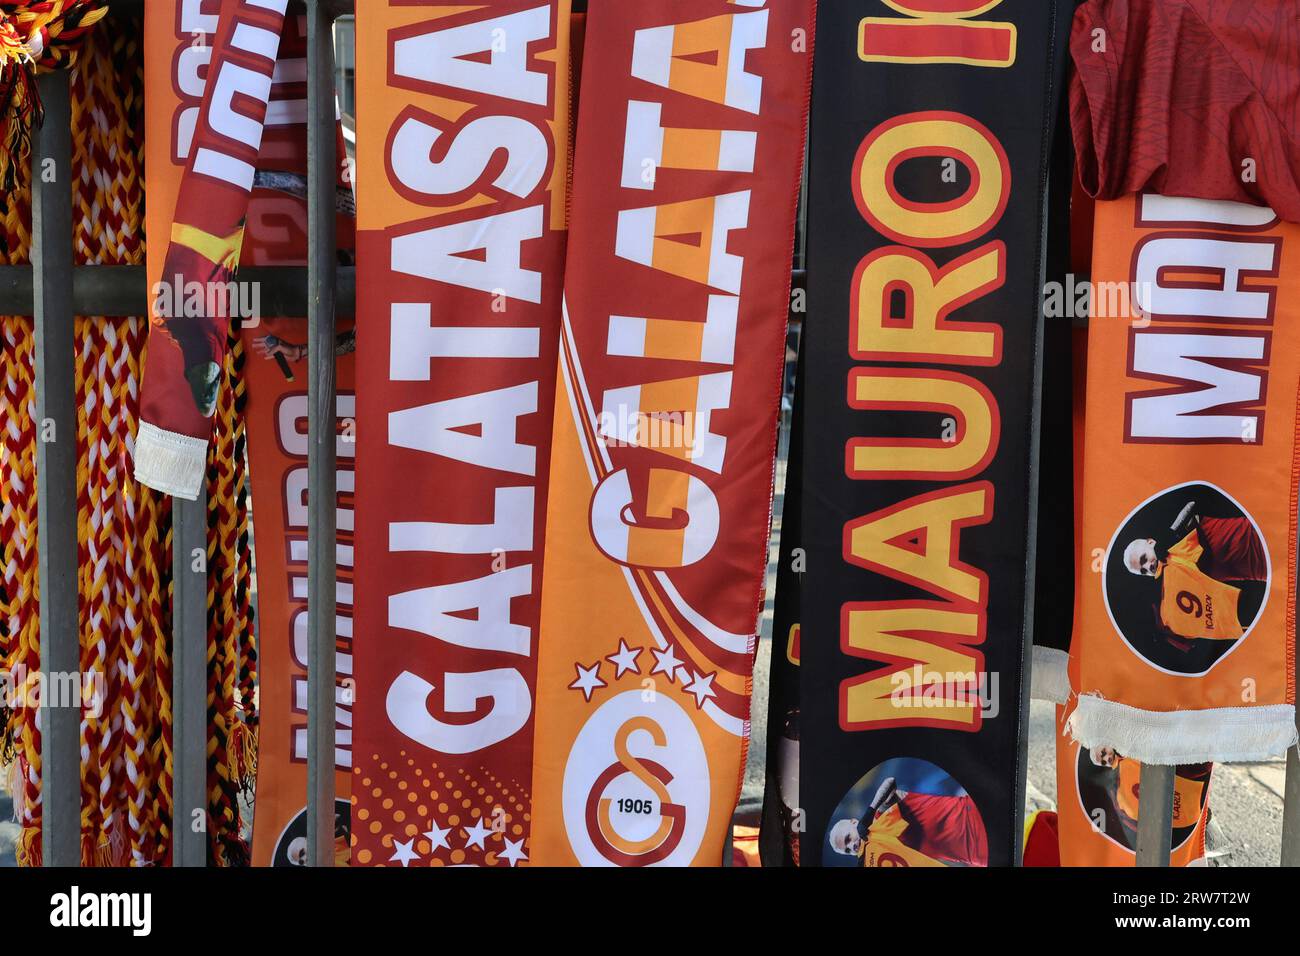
column 702, row 687
column 588, row 679
column 514, row 851
column 665, row 662
column 475, row 835
column 405, row 853
column 437, row 836
column 625, row 660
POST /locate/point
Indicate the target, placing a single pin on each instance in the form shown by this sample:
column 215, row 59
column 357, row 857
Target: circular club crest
column 636, row 786
column 1185, row 578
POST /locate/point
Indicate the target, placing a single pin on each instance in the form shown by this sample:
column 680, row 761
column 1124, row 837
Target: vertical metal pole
column 1291, row 799
column 190, row 680
column 1291, row 811
column 322, row 530
column 56, row 477
column 1155, row 815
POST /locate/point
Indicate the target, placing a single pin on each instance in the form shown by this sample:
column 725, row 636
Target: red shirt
column 1233, row 551
column 945, row 828
column 1172, row 96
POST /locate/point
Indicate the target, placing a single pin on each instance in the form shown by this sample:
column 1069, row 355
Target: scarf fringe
column 241, row 755
column 17, row 777
column 1221, row 735
column 169, row 462
column 1049, row 675
column 28, row 849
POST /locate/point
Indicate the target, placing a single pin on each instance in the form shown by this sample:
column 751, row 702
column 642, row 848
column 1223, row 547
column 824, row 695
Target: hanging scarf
column 34, row 36
column 464, row 129
column 1186, row 642
column 200, row 206
column 928, row 164
column 690, row 140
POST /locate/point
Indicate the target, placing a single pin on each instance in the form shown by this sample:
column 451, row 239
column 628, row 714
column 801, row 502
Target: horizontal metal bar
column 124, row 290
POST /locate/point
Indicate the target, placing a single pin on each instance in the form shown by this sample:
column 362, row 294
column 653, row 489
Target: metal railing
column 54, row 291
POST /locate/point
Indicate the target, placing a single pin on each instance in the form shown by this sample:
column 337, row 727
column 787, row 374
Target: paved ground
column 8, row 830
column 1245, row 799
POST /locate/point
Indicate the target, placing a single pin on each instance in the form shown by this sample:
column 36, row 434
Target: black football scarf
column 929, row 151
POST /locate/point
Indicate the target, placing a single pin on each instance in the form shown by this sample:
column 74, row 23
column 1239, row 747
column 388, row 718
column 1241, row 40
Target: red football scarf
column 690, row 142
column 198, row 217
column 276, row 381
column 464, row 127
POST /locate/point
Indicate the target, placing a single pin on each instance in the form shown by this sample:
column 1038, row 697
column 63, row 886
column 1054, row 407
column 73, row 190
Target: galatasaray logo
column 636, row 787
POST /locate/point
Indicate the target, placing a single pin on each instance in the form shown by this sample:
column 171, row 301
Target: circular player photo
column 1186, row 576
column 1107, row 783
column 291, row 848
column 906, row 812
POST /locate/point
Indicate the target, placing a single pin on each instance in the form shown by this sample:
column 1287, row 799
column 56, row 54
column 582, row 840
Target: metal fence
column 322, row 291
column 54, row 291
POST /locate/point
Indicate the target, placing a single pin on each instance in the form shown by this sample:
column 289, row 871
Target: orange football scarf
column 200, row 178
column 690, row 139
column 1098, row 803
column 1185, row 643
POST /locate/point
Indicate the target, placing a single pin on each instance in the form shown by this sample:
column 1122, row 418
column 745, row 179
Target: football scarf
column 462, row 175
column 200, row 178
column 932, row 125
column 1185, row 649
column 1098, row 799
column 276, row 409
column 686, row 180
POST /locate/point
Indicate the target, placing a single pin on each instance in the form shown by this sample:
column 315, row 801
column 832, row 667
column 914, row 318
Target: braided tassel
column 124, row 536
column 228, row 845
column 18, row 490
column 34, row 37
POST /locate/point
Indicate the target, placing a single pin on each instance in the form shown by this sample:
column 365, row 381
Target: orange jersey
column 1193, row 604
column 1187, row 794
column 884, row 845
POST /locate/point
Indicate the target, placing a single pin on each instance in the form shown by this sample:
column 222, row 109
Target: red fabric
column 1042, row 845
column 945, row 828
column 1183, row 92
column 1233, row 551
column 202, row 338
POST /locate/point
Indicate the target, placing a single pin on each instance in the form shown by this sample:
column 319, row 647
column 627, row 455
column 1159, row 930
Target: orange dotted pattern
column 406, row 802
